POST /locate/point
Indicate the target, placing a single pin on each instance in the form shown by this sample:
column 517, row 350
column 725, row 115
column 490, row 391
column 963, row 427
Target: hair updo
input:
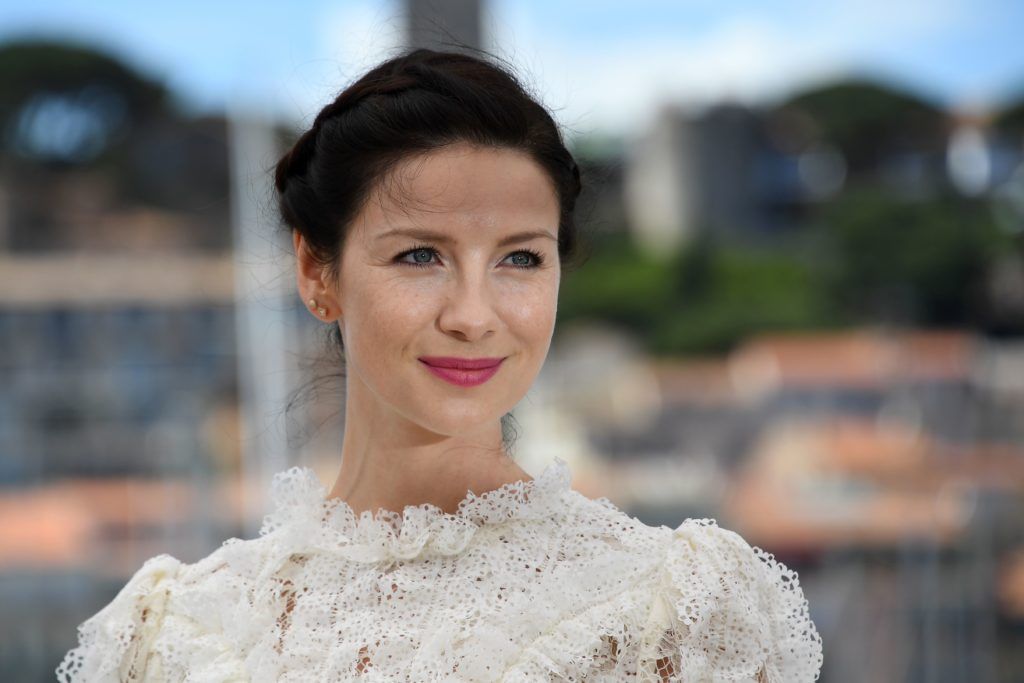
column 418, row 101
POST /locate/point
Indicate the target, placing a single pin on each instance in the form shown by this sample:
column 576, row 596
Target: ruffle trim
column 114, row 644
column 307, row 521
column 739, row 614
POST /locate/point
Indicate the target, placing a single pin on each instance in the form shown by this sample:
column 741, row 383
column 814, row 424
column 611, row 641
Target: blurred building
column 689, row 173
column 983, row 157
column 443, row 24
column 119, row 387
column 886, row 467
column 745, row 175
column 119, row 430
column 112, row 363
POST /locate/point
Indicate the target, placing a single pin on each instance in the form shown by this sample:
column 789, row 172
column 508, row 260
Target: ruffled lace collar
column 305, row 520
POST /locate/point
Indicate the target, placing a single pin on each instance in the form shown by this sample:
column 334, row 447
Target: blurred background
column 802, row 314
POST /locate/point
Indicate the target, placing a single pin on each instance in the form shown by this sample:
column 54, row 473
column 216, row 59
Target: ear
column 311, row 281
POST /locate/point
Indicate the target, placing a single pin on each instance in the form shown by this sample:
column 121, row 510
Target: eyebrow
column 447, row 239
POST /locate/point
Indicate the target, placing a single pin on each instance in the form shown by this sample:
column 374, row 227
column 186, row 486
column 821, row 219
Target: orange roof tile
column 858, row 358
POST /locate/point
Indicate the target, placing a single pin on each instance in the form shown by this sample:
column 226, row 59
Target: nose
column 468, row 312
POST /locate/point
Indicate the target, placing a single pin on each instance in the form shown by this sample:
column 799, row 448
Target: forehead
column 461, row 187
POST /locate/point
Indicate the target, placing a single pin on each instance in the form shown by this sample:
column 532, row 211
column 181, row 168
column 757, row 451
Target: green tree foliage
column 704, row 300
column 76, row 121
column 915, row 262
column 618, row 284
column 1011, row 118
column 67, row 104
column 867, row 120
column 868, row 256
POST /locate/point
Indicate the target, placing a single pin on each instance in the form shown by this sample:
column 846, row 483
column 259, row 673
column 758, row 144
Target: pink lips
column 463, row 372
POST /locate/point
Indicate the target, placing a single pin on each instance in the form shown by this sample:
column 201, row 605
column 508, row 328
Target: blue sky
column 600, row 65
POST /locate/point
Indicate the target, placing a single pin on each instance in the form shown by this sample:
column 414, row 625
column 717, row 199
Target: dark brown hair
column 410, row 104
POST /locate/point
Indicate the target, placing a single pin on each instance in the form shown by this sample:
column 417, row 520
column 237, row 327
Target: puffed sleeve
column 114, row 645
column 729, row 611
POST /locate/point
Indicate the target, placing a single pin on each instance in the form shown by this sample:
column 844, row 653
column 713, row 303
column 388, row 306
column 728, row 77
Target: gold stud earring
column 319, row 309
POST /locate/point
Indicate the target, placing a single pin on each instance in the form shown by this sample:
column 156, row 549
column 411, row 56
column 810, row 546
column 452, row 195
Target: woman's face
column 438, row 265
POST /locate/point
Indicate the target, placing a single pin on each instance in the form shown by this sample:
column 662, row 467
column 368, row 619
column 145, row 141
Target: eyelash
column 539, row 260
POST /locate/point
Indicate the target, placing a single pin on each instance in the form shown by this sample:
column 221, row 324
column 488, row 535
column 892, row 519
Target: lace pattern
column 529, row 582
column 420, row 531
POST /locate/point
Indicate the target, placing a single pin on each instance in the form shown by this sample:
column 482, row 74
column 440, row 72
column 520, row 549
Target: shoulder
column 111, row 642
column 731, row 610
column 164, row 604
column 705, row 604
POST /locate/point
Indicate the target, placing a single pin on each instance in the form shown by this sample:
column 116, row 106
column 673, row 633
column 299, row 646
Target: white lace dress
column 530, row 582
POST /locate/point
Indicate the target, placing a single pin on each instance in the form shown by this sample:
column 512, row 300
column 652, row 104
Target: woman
column 431, row 209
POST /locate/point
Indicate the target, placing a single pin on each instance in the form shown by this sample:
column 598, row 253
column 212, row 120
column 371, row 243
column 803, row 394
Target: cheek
column 532, row 310
column 385, row 315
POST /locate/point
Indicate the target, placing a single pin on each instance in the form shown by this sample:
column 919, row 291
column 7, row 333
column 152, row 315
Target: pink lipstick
column 463, row 372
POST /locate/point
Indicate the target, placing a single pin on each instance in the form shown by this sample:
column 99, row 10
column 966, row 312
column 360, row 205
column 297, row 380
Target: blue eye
column 417, row 250
column 423, row 249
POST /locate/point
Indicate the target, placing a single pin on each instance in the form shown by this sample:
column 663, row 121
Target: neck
column 389, row 462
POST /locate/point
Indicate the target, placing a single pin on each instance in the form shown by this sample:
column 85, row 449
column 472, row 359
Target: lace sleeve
column 114, row 644
column 729, row 611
